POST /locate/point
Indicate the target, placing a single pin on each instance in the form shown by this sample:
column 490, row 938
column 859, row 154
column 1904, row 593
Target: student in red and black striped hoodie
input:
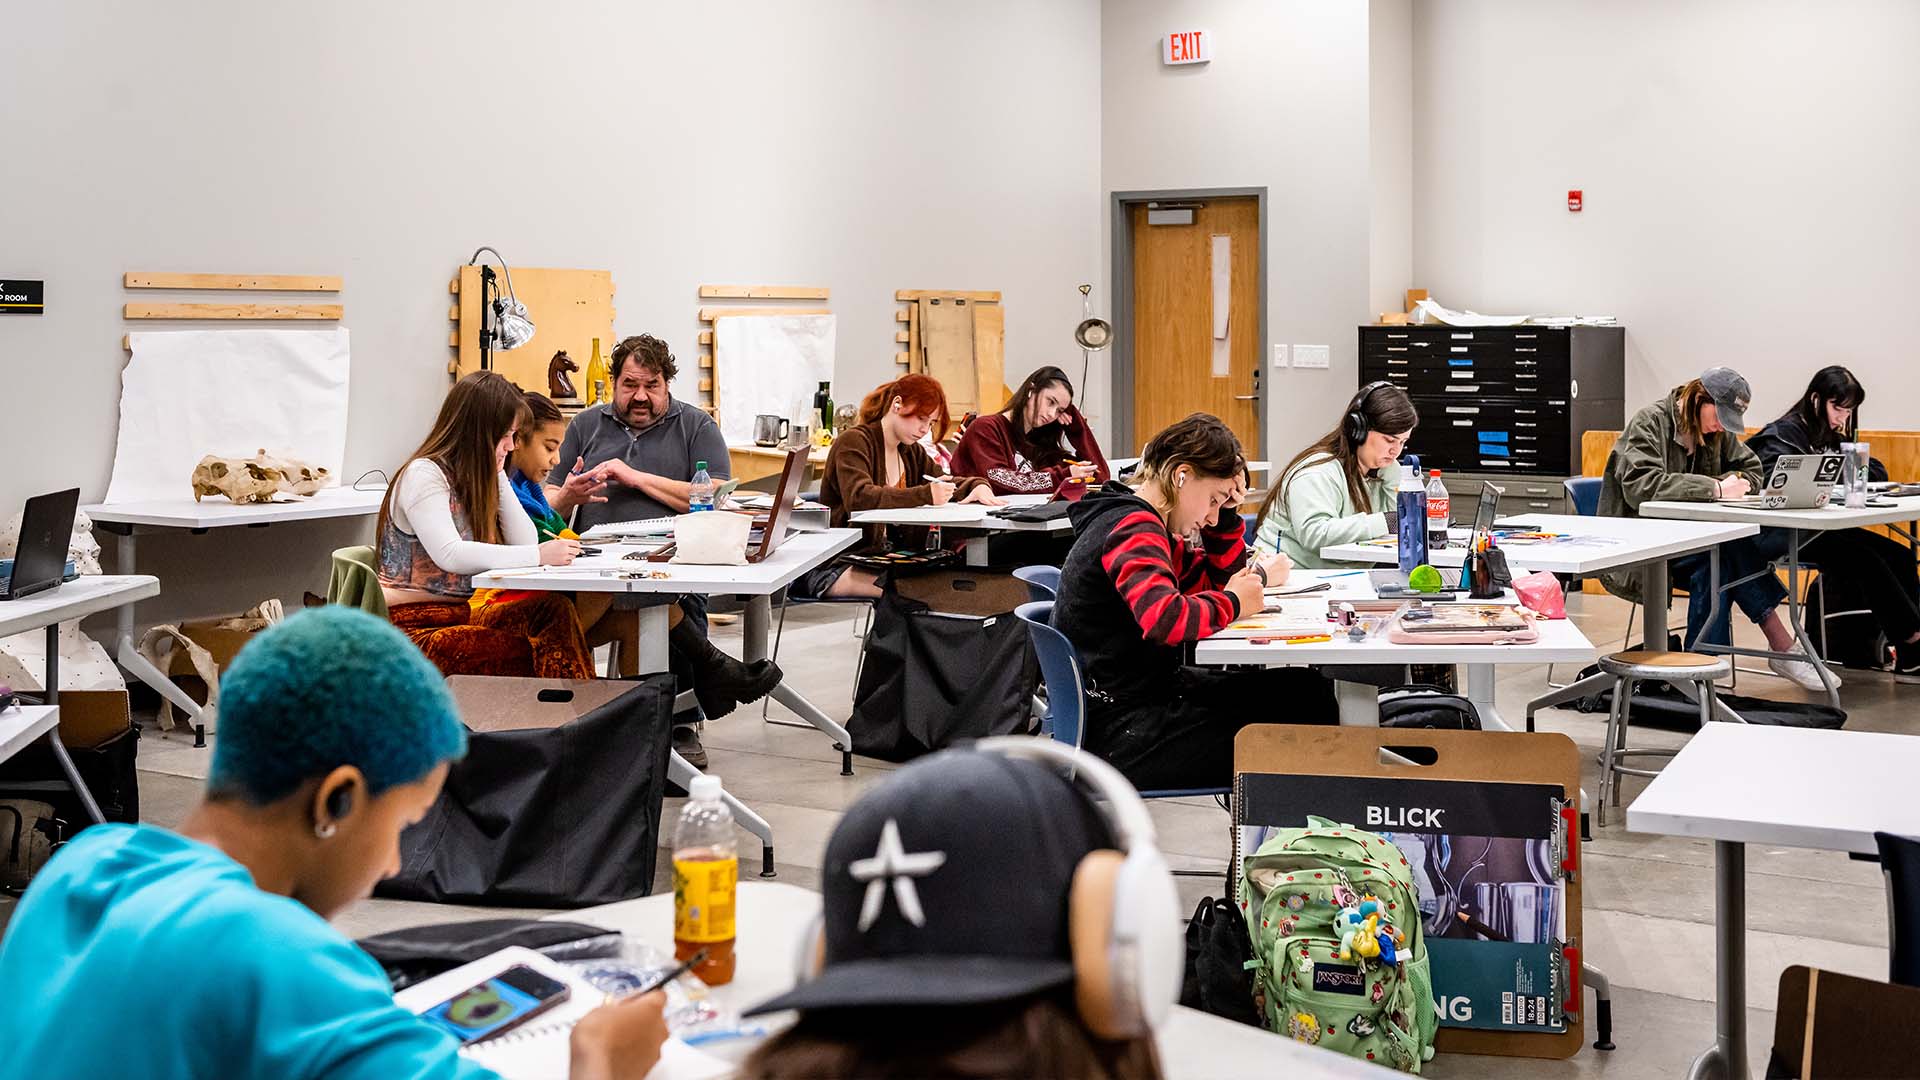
column 1152, row 571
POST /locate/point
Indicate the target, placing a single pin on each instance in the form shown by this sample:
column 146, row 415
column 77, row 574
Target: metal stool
column 1648, row 665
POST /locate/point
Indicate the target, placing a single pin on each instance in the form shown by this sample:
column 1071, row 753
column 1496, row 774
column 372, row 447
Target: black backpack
column 1218, row 980
column 1840, row 627
column 1417, row 705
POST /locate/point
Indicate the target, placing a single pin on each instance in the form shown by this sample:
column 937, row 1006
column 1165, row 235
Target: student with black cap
column 983, row 915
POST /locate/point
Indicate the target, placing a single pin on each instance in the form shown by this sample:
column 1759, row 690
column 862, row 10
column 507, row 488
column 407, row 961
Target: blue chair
column 1900, row 861
column 1584, row 493
column 1252, row 522
column 1067, row 698
column 1043, row 582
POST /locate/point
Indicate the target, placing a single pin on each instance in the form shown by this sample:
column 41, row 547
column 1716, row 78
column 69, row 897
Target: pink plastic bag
column 1540, row 592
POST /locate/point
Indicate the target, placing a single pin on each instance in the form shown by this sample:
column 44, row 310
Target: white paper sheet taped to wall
column 769, row 364
column 189, row 393
column 1222, row 304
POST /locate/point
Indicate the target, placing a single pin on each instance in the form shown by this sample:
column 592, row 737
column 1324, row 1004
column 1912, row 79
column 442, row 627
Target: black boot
column 720, row 683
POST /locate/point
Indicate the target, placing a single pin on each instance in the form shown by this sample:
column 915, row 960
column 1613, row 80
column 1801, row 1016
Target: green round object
column 1424, row 579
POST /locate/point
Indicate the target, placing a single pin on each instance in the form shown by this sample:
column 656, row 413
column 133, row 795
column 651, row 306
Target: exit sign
column 1186, row 47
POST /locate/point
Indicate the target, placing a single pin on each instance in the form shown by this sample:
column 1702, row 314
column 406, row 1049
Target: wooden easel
column 278, row 312
column 973, row 376
column 710, row 381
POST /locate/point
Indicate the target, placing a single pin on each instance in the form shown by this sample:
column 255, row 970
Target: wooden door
column 1174, row 369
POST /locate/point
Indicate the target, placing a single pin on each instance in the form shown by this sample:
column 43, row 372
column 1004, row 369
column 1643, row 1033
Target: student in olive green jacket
column 1341, row 489
column 1686, row 447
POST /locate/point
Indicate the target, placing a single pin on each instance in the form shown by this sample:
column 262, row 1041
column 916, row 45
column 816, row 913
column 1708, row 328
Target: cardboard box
column 89, row 718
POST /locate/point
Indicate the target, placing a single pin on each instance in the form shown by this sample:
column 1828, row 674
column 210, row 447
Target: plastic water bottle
column 1411, row 504
column 701, row 497
column 706, row 876
column 1439, row 512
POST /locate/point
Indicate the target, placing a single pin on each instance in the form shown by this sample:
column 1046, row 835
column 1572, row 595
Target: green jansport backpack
column 1303, row 893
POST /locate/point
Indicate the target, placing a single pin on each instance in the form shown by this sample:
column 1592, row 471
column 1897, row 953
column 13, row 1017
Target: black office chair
column 1900, row 861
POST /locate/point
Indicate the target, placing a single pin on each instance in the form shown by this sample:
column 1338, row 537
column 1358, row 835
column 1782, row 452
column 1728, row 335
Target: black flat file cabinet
column 1505, row 404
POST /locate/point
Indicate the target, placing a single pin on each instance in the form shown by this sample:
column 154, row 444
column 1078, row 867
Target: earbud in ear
column 1180, row 480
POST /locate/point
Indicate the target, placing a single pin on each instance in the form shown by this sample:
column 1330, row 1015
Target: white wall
column 864, row 144
column 1283, row 105
column 1390, row 154
column 1748, row 167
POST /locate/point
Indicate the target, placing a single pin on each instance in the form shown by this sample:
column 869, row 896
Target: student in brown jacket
column 881, row 464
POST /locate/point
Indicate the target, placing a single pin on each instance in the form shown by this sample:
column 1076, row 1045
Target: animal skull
column 256, row 479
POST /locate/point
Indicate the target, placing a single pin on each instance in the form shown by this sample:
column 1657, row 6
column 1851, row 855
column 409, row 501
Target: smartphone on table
column 498, row 1005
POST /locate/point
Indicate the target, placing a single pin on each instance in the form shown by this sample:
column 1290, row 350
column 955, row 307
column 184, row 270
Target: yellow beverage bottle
column 706, row 874
column 597, row 379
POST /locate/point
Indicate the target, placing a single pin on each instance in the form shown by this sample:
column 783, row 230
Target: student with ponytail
column 882, row 463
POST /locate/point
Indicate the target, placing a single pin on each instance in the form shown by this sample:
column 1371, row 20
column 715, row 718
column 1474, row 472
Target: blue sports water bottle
column 1412, row 507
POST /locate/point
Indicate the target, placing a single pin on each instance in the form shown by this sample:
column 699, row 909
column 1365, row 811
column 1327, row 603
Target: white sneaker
column 1801, row 673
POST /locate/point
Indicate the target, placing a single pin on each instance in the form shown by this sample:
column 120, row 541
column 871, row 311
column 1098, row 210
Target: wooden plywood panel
column 989, row 357
column 569, row 308
column 984, row 296
column 273, row 282
column 946, row 335
column 764, row 292
column 1173, row 319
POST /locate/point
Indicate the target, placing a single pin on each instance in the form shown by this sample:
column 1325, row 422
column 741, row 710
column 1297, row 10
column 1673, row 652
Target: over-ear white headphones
column 1123, row 913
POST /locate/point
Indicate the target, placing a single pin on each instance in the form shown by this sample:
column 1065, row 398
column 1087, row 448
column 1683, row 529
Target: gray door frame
column 1126, row 441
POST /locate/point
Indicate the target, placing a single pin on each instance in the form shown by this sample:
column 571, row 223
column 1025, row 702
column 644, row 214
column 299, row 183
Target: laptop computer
column 773, row 528
column 46, row 531
column 1797, row 482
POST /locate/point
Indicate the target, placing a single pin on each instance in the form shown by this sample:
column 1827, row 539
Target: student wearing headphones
column 1152, row 571
column 912, row 972
column 335, row 734
column 1341, row 489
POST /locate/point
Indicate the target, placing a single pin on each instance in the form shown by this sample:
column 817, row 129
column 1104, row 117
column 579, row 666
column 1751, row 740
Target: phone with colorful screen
column 498, row 1005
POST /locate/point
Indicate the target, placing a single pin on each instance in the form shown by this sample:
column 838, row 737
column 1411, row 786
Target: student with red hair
column 882, row 463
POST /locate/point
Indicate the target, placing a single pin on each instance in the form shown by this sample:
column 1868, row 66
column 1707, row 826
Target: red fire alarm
column 1574, row 200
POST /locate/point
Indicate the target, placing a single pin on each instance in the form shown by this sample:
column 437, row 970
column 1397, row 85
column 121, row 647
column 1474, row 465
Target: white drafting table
column 127, row 519
column 967, row 518
column 1902, row 511
column 757, row 582
column 1615, row 543
column 1793, row 787
column 20, row 726
column 773, row 916
column 1122, row 464
column 1561, row 642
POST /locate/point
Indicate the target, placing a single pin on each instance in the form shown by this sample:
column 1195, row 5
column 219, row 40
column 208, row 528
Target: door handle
column 1255, row 396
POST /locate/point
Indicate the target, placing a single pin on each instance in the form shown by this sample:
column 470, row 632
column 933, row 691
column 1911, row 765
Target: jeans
column 1756, row 598
column 1881, row 572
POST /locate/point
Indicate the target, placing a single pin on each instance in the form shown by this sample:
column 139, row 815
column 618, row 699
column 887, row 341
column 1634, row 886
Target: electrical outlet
column 1279, row 356
column 1312, row 356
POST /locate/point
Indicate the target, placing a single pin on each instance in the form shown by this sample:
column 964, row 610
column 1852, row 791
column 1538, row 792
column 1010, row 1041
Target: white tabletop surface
column 800, row 553
column 966, row 516
column 1834, row 515
column 1589, row 544
column 1120, row 463
column 20, row 725
column 217, row 511
column 773, row 915
column 1795, row 787
column 75, row 599
column 1561, row 642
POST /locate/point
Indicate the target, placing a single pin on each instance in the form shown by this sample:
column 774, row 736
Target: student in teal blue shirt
column 140, row 952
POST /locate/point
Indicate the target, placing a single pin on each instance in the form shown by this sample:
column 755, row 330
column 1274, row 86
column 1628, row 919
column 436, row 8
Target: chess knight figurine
column 559, row 387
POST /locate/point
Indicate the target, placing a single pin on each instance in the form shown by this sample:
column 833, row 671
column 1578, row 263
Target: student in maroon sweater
column 1038, row 445
column 1152, row 571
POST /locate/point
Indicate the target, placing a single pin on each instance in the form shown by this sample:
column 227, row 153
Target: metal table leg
column 1480, row 685
column 1359, row 703
column 128, row 656
column 753, row 646
column 1798, row 625
column 651, row 649
column 682, row 772
column 1727, row 1058
column 59, row 748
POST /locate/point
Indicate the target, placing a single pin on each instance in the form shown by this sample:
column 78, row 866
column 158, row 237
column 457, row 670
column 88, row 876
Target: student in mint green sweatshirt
column 1341, row 489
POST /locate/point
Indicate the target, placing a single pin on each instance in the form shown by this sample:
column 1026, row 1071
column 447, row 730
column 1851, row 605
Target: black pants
column 1880, row 571
column 1188, row 742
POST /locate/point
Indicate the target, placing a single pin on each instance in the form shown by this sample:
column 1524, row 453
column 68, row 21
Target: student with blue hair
column 335, row 734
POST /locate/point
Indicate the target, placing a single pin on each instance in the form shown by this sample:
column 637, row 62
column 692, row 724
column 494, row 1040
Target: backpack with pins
column 1340, row 959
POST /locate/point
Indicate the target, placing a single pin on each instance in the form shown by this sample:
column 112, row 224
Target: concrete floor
column 1648, row 900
